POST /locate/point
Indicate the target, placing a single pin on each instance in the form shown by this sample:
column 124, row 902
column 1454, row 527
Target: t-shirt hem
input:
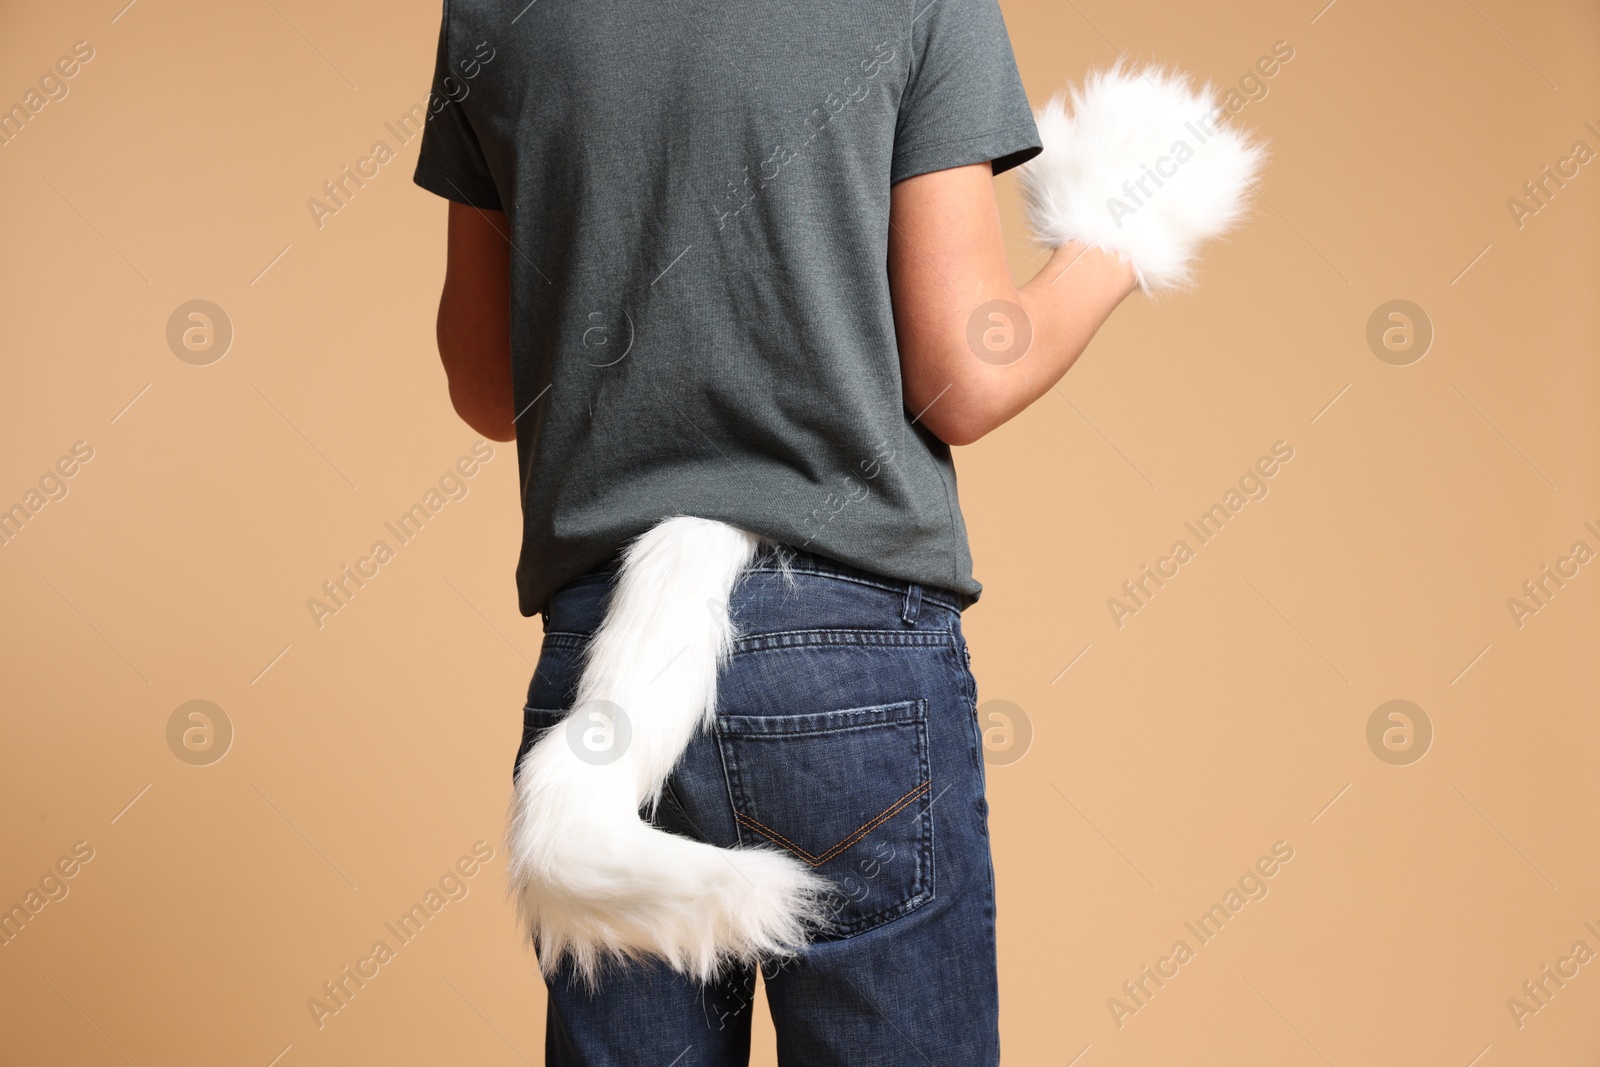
column 532, row 602
column 1004, row 148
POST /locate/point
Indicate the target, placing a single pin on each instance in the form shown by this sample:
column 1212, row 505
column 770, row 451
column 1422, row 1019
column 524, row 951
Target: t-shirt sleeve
column 964, row 102
column 451, row 161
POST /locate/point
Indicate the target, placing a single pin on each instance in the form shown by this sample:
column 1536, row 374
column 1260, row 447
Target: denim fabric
column 846, row 733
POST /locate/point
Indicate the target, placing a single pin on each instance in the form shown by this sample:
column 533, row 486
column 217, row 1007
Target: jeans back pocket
column 847, row 792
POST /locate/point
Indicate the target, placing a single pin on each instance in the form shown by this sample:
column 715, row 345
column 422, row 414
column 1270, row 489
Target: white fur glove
column 1142, row 166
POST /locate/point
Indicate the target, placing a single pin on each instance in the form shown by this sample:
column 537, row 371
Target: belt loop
column 913, row 604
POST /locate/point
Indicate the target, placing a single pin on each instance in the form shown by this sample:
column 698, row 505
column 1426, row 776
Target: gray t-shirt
column 698, row 201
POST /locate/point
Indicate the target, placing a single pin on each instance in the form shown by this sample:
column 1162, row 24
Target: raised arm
column 946, row 261
column 1135, row 174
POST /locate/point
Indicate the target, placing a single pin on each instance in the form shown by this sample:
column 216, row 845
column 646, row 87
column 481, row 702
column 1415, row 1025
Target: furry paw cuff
column 1141, row 165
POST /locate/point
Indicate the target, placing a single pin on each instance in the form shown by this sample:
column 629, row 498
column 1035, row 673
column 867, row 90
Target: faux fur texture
column 593, row 880
column 1141, row 165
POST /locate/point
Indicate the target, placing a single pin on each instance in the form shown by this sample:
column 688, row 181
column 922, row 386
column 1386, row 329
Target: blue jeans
column 846, row 732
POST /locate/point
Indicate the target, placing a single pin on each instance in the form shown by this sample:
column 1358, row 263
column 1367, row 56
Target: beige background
column 1228, row 714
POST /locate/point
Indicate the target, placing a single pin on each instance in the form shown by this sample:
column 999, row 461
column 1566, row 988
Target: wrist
column 1093, row 264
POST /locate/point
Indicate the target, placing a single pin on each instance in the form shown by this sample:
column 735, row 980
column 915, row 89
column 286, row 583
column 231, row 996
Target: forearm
column 976, row 348
column 1063, row 307
column 984, row 349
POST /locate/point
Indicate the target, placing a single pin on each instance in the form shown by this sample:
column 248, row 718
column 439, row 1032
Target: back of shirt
column 697, row 194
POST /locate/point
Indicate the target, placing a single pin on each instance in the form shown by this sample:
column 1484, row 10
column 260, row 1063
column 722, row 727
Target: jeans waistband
column 768, row 559
column 773, row 558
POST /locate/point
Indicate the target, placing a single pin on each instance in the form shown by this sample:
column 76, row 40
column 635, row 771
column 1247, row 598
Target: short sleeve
column 964, row 102
column 451, row 161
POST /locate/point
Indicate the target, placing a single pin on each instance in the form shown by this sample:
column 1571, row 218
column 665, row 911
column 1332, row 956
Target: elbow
column 494, row 431
column 478, row 373
column 957, row 412
column 956, row 424
column 955, row 431
column 491, row 420
column 953, row 396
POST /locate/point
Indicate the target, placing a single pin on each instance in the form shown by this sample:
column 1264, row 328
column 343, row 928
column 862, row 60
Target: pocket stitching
column 816, row 861
column 748, row 830
column 777, row 727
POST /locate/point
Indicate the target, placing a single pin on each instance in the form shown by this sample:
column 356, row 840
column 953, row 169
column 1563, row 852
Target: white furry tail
column 1142, row 165
column 592, row 879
